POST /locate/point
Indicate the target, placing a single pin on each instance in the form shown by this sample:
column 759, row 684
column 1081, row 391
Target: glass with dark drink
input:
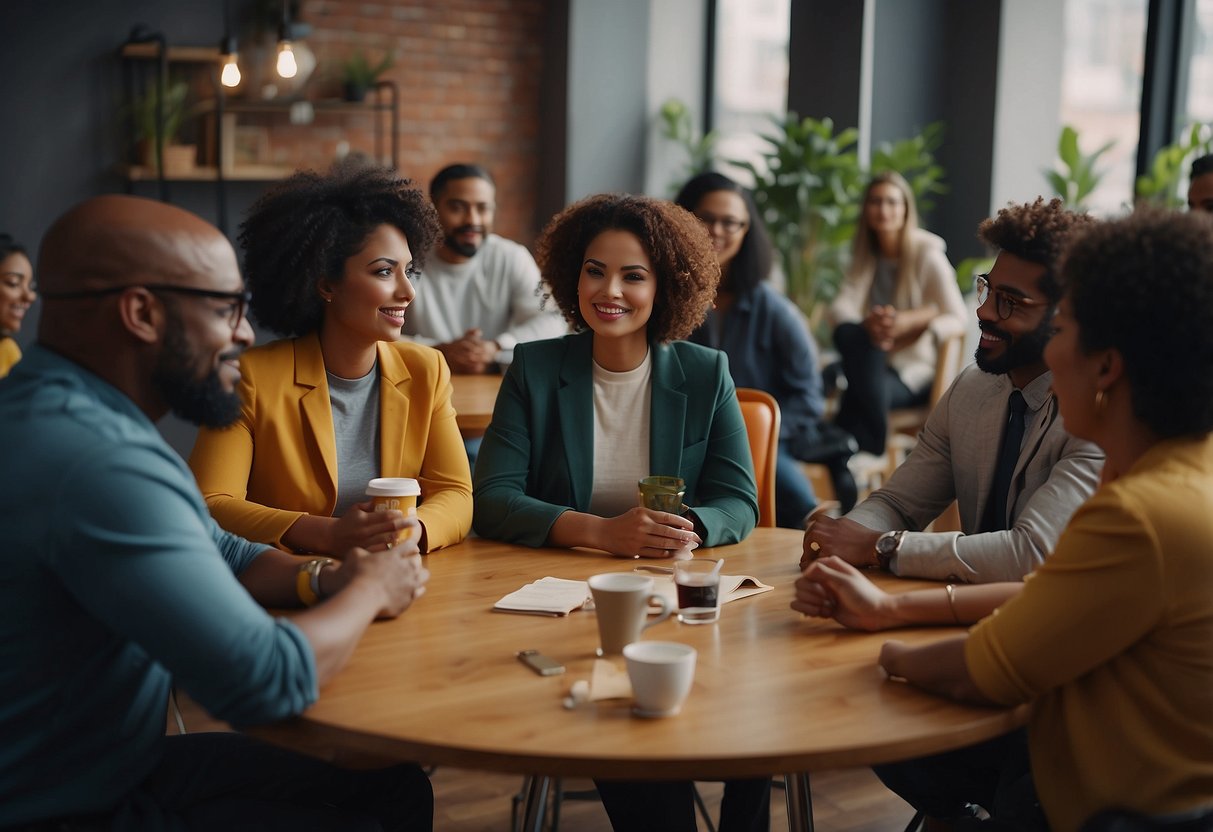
column 698, row 584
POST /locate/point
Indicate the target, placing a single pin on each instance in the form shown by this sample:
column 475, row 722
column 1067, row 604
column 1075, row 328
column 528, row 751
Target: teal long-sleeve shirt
column 114, row 579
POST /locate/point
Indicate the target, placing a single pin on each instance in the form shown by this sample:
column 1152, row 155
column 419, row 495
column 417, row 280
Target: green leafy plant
column 143, row 110
column 1170, row 164
column 358, row 74
column 914, row 159
column 678, row 127
column 1076, row 177
column 807, row 192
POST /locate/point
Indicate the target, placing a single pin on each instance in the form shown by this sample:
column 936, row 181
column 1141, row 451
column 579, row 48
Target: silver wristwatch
column 886, row 548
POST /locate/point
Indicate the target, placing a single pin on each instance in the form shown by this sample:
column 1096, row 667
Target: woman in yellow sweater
column 1112, row 638
column 16, row 297
column 330, row 261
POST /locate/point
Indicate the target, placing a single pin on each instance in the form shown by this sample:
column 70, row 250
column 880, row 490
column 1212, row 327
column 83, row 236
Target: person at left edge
column 117, row 582
column 330, row 259
column 16, row 296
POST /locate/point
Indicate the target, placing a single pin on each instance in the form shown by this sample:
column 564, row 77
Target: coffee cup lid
column 393, row 487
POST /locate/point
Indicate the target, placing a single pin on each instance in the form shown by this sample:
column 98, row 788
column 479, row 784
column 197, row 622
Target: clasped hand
column 881, row 327
column 843, row 538
column 470, row 354
column 832, row 588
column 643, row 532
column 396, row 572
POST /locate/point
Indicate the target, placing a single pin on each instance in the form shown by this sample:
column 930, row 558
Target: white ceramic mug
column 621, row 604
column 661, row 673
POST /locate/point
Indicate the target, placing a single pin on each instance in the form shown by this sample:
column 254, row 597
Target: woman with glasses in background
column 768, row 344
column 16, row 297
column 899, row 298
column 330, row 261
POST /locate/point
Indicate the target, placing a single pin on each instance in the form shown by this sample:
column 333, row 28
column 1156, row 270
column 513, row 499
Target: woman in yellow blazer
column 16, row 297
column 329, row 260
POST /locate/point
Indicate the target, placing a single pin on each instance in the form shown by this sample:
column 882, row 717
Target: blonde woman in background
column 899, row 297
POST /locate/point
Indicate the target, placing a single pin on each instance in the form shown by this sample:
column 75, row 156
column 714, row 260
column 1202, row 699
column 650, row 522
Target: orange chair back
column 761, row 414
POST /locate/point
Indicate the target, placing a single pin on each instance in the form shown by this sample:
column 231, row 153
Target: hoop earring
column 1100, row 401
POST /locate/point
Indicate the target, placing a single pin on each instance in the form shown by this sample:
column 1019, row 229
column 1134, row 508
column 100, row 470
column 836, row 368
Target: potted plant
column 358, row 74
column 178, row 158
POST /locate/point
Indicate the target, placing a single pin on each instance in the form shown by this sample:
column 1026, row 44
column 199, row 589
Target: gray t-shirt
column 356, row 427
column 884, row 283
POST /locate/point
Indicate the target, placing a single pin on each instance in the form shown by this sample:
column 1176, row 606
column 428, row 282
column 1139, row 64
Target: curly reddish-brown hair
column 677, row 244
column 1037, row 232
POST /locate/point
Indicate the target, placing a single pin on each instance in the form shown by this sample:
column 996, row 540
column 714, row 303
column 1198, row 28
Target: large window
column 1101, row 89
column 751, row 74
column 1199, row 106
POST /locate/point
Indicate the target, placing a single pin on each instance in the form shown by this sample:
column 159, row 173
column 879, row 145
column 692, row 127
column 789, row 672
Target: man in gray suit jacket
column 1013, row 500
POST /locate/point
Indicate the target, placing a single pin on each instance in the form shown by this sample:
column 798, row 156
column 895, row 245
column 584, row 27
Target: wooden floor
column 852, row 800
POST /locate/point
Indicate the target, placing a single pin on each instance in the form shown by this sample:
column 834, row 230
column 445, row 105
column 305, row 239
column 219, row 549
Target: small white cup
column 621, row 605
column 661, row 673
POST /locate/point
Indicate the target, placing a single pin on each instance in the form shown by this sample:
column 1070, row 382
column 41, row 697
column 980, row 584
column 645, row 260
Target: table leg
column 799, row 802
column 538, row 788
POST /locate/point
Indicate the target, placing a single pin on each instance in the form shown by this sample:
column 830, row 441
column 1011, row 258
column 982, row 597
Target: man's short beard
column 1024, row 351
column 463, row 249
column 200, row 401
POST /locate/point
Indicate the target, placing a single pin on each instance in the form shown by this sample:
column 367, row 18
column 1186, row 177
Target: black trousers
column 670, row 807
column 228, row 781
column 873, row 388
column 995, row 775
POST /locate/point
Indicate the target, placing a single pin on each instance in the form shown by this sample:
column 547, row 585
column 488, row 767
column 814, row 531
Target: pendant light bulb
column 231, row 72
column 286, row 60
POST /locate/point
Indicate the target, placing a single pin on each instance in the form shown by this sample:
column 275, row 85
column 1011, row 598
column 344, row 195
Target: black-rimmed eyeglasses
column 1005, row 303
column 729, row 225
column 239, row 300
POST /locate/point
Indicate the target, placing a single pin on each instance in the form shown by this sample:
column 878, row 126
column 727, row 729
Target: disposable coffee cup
column 661, row 673
column 395, row 493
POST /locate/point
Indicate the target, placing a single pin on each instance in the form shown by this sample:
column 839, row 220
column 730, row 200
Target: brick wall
column 469, row 75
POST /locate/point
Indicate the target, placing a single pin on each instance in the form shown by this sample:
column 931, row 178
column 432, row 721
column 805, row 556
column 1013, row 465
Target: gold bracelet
column 951, row 590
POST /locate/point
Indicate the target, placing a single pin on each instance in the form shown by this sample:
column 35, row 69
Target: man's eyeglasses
column 730, row 225
column 1004, row 303
column 239, row 300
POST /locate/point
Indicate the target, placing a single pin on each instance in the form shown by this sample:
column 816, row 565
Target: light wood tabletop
column 473, row 397
column 774, row 692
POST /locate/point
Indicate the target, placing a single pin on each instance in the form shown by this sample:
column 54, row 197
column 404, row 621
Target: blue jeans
column 794, row 497
column 873, row 387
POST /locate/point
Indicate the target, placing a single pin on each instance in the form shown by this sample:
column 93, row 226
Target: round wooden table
column 774, row 692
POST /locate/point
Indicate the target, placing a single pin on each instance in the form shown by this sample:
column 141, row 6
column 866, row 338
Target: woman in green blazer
column 580, row 419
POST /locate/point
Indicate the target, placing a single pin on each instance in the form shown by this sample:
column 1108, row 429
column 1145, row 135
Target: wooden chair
column 761, row 414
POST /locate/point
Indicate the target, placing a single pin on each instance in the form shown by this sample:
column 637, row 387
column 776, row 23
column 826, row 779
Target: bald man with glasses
column 995, row 443
column 117, row 582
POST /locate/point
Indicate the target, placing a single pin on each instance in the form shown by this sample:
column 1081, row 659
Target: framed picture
column 250, row 146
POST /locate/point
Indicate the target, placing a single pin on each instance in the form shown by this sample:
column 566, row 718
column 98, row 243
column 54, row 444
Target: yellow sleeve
column 1098, row 594
column 446, row 480
column 222, row 461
